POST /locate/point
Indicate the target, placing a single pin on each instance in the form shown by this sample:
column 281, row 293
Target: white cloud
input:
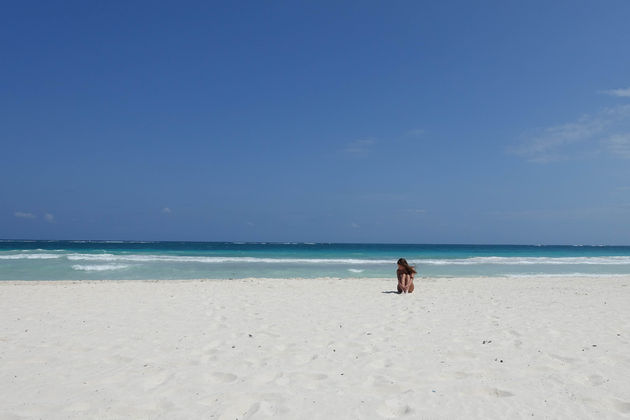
column 416, row 211
column 550, row 144
column 360, row 147
column 625, row 93
column 579, row 138
column 166, row 210
column 24, row 215
column 49, row 217
column 416, row 132
column 355, row 225
column 619, row 144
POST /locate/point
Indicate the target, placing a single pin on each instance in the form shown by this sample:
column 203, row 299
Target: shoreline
column 484, row 347
column 550, row 277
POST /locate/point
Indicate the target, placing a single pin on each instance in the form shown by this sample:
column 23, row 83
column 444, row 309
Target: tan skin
column 405, row 281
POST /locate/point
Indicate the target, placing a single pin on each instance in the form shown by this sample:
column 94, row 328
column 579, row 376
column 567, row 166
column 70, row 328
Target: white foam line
column 30, row 256
column 624, row 260
column 609, row 260
column 170, row 258
column 103, row 267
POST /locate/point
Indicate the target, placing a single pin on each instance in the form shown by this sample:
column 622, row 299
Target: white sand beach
column 317, row 348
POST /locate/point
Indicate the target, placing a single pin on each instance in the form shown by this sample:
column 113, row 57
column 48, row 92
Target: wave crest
column 149, row 258
column 30, row 256
column 102, row 267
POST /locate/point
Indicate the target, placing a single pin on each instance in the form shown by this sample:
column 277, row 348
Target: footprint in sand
column 383, row 384
column 596, row 380
column 394, row 408
column 302, row 359
column 380, row 364
column 264, row 377
column 563, row 359
column 224, row 377
column 621, row 406
column 499, row 393
column 310, row 381
column 308, row 377
column 155, row 380
column 263, row 409
column 515, row 333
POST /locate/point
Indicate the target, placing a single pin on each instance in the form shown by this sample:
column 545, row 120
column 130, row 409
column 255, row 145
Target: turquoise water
column 112, row 260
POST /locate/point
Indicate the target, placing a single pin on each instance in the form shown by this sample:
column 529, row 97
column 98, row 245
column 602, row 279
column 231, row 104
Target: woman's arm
column 406, row 281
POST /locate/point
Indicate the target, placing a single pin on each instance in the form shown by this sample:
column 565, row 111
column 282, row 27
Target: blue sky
column 411, row 122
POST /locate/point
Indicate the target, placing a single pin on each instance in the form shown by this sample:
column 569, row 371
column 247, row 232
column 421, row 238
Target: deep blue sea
column 113, row 260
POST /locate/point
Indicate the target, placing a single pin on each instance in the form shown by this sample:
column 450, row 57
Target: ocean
column 116, row 260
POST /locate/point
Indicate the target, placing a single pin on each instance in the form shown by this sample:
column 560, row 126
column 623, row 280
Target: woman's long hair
column 409, row 269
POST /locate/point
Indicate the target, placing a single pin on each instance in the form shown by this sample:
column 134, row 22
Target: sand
column 316, row 349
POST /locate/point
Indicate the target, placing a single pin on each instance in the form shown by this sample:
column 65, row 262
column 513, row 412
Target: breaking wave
column 147, row 258
column 30, row 256
column 529, row 261
column 103, row 267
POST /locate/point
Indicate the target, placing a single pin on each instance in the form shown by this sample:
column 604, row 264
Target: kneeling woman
column 405, row 275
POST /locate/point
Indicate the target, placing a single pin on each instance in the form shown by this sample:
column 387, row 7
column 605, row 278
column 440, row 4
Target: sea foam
column 612, row 260
column 529, row 261
column 30, row 256
column 108, row 257
column 103, row 267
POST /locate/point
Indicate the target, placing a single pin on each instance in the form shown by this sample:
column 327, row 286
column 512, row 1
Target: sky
column 327, row 121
